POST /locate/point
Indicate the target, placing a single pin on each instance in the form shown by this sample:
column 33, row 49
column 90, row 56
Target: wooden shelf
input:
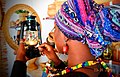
column 114, row 62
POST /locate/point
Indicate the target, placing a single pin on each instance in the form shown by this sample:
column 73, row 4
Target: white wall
column 40, row 6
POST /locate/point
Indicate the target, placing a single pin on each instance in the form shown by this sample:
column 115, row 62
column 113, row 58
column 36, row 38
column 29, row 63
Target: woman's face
column 59, row 39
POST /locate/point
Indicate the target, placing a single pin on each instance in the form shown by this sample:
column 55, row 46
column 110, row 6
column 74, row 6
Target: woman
column 83, row 29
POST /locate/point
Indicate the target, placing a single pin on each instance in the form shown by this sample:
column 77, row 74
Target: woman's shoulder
column 74, row 74
column 81, row 74
column 103, row 74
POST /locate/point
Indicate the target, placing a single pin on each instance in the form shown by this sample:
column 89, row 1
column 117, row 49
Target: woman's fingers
column 20, row 55
column 45, row 47
column 47, row 50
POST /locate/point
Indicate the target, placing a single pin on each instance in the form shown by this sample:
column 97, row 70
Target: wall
column 40, row 6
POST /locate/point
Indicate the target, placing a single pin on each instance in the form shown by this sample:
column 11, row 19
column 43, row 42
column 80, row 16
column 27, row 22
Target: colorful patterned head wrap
column 89, row 23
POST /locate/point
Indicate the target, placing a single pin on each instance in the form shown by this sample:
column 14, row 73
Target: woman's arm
column 19, row 69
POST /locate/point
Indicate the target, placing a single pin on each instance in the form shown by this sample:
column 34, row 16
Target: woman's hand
column 49, row 51
column 20, row 53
